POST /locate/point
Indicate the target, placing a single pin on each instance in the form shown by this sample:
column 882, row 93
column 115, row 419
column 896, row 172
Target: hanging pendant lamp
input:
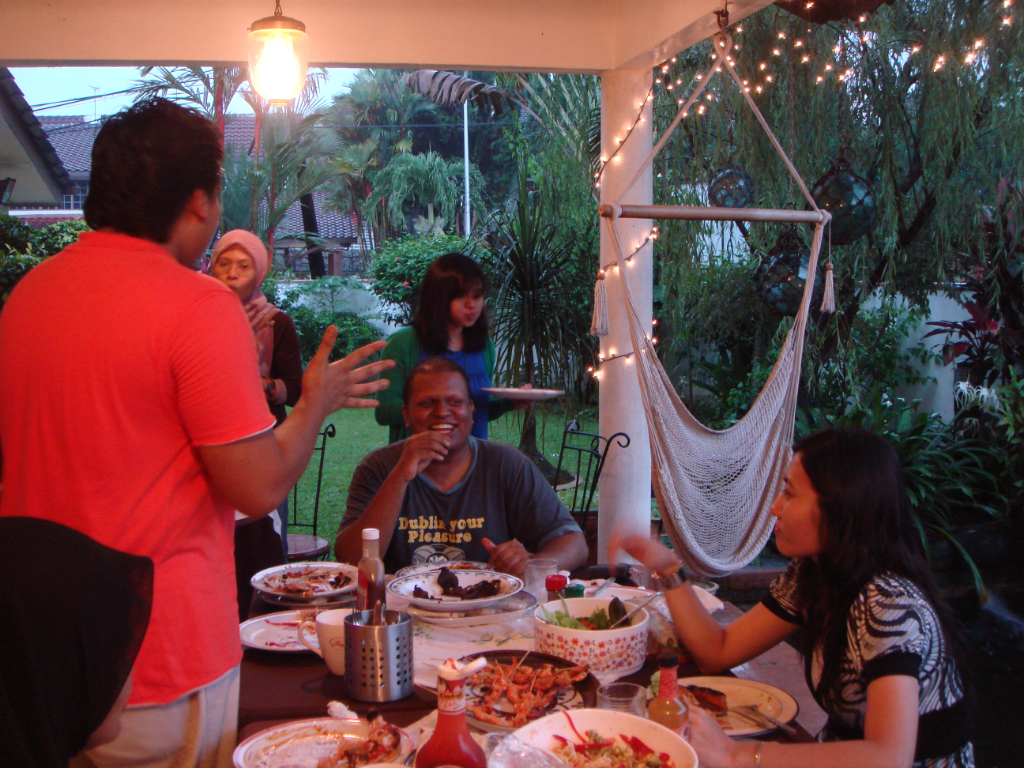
column 278, row 54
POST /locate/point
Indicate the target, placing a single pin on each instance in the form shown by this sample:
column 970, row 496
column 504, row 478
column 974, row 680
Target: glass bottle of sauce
column 554, row 584
column 667, row 708
column 370, row 585
column 451, row 743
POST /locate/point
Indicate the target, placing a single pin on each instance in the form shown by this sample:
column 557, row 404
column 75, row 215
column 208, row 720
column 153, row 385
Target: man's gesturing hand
column 419, row 451
column 509, row 557
column 343, row 383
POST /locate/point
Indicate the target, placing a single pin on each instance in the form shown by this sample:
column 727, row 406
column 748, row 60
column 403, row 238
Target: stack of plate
column 305, row 585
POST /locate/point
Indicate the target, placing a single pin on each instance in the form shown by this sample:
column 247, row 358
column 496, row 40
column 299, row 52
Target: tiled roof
column 15, row 104
column 72, row 137
column 39, row 219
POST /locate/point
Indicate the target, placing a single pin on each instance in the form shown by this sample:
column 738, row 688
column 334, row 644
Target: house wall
column 937, row 396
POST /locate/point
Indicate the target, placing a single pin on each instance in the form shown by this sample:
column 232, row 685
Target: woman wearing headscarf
column 240, row 260
column 65, row 663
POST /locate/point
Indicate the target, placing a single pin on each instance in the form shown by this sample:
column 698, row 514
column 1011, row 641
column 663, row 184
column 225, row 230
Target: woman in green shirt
column 451, row 322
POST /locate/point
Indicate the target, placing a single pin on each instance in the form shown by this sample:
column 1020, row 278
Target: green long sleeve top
column 404, row 348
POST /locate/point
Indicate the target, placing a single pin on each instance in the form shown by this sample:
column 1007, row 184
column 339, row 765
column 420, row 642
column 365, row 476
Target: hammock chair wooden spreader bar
column 700, row 213
column 715, row 487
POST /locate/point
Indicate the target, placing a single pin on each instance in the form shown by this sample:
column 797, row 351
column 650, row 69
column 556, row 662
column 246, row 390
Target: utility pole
column 465, row 159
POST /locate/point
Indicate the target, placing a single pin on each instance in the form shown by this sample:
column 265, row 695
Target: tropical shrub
column 397, row 270
column 22, row 247
column 13, row 267
column 316, row 304
column 951, row 479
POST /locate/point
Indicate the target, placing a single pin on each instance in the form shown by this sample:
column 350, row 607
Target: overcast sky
column 45, row 85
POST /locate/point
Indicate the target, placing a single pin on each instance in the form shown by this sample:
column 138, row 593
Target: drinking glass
column 623, row 697
column 537, row 570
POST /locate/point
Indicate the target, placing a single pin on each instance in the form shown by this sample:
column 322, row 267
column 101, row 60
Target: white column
column 625, row 489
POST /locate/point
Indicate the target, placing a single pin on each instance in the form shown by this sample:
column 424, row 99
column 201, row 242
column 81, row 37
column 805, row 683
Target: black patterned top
column 892, row 629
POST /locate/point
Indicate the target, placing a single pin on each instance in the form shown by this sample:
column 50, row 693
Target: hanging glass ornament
column 850, row 200
column 731, row 187
column 783, row 274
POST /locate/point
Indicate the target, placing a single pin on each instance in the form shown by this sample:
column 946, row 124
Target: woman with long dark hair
column 450, row 321
column 883, row 659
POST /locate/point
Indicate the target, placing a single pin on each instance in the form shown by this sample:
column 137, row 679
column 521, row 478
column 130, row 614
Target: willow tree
column 922, row 98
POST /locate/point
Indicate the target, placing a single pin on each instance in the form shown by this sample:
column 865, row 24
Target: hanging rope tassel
column 828, row 299
column 599, row 322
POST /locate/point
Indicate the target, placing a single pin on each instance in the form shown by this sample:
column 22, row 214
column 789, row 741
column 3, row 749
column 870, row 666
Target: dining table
column 277, row 687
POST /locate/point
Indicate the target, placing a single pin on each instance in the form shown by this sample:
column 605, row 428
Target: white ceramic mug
column 330, row 633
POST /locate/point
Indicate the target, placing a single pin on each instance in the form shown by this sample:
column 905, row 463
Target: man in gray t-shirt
column 443, row 495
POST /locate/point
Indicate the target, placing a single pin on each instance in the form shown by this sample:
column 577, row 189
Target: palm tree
column 350, row 190
column 427, row 181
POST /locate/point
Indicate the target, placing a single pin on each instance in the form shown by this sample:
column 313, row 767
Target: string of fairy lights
column 832, row 69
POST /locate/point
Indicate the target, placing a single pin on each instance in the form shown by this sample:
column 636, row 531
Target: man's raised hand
column 419, row 452
column 343, row 384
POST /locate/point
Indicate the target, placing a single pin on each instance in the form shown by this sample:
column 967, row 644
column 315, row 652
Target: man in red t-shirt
column 131, row 410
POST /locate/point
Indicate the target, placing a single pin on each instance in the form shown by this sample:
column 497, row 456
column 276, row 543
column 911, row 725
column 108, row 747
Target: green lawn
column 358, row 434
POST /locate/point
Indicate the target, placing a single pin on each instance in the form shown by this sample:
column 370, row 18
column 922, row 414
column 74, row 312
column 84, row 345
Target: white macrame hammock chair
column 715, row 488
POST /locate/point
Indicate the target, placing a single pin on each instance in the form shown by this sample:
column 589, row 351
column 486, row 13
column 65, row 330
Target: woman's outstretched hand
column 646, row 550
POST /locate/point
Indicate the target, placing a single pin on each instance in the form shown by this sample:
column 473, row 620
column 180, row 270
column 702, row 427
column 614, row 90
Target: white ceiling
column 513, row 35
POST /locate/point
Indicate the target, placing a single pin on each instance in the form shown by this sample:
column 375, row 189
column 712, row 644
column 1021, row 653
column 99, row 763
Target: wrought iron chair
column 583, row 454
column 309, row 546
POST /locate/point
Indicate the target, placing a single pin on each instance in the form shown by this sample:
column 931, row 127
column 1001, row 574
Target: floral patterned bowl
column 621, row 650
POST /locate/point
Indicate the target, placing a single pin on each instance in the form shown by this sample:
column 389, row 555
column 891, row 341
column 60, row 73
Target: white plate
column 514, row 393
column 259, row 581
column 508, row 609
column 541, row 733
column 773, row 701
column 276, row 632
column 303, row 743
column 403, row 587
column 458, row 565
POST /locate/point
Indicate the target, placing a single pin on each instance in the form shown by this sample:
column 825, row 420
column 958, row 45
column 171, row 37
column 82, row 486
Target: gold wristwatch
column 670, row 578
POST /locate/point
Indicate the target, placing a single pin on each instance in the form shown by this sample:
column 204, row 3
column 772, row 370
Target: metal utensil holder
column 378, row 658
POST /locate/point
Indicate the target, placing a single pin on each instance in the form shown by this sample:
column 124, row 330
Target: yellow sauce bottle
column 667, row 708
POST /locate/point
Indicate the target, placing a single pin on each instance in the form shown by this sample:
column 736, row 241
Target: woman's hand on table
column 715, row 749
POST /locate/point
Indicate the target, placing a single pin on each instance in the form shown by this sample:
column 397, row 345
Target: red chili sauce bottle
column 451, row 744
